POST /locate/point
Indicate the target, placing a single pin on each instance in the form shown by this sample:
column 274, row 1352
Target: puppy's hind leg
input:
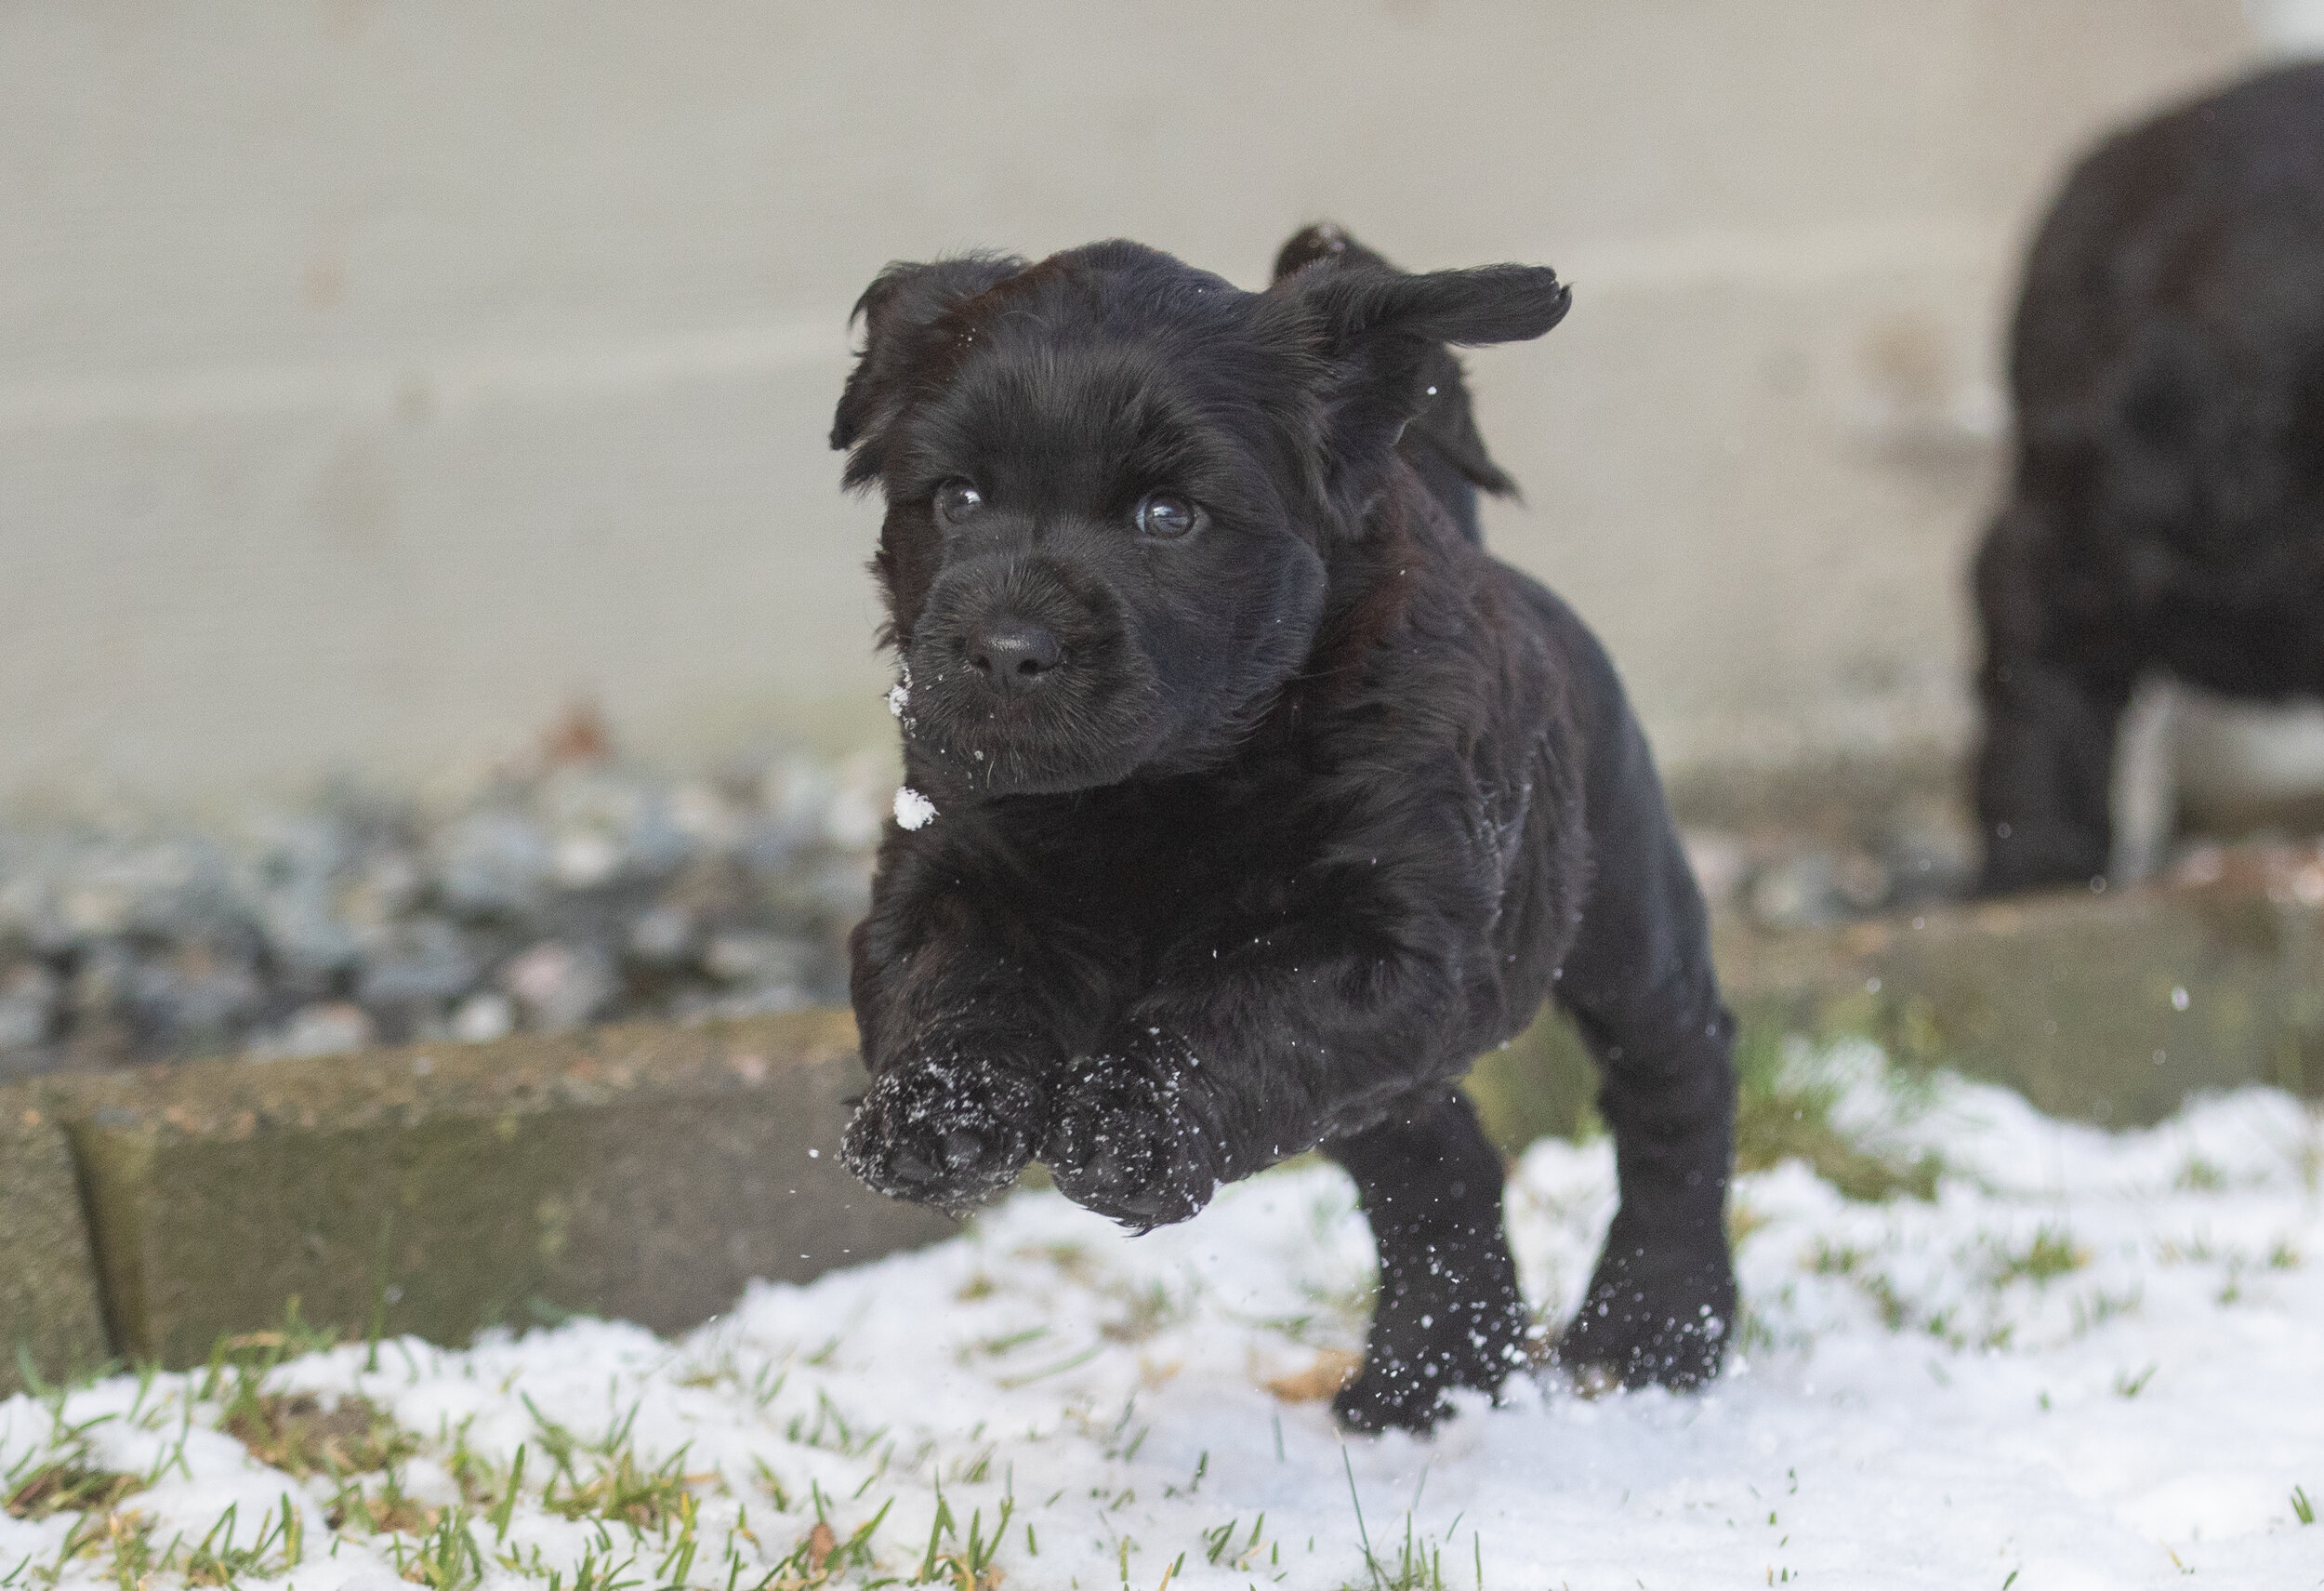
column 1448, row 1313
column 1640, row 986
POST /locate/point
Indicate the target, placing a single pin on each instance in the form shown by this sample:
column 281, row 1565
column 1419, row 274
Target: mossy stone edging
column 2109, row 1008
column 49, row 1314
column 648, row 1173
column 644, row 1172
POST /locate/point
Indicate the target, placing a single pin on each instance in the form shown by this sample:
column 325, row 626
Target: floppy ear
column 1380, row 337
column 1446, row 423
column 898, row 310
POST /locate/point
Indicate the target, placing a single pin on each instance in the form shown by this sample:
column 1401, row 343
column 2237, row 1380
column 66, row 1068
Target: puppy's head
column 1116, row 487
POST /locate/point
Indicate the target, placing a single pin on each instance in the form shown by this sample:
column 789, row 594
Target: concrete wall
column 373, row 376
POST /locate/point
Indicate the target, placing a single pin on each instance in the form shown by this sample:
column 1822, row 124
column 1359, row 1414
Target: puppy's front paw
column 943, row 1132
column 1127, row 1141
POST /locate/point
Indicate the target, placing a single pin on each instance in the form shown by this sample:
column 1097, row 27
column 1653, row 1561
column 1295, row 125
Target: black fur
column 2167, row 510
column 1267, row 830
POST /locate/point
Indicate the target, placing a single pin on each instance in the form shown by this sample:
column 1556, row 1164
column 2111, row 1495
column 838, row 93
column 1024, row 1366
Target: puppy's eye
column 957, row 501
column 1165, row 517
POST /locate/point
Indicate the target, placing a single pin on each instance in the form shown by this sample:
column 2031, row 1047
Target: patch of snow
column 1912, row 1402
column 913, row 809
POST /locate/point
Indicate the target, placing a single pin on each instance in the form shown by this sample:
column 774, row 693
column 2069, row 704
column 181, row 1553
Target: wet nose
column 1013, row 655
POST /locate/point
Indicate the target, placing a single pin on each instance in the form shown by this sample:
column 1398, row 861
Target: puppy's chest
column 1206, row 859
column 1140, row 873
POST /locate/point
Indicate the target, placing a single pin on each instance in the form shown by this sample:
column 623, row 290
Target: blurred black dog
column 1250, row 801
column 2168, row 505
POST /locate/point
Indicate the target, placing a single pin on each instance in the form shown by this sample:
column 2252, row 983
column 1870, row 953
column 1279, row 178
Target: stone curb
column 643, row 1172
column 2102, row 1007
column 49, row 1312
column 648, row 1173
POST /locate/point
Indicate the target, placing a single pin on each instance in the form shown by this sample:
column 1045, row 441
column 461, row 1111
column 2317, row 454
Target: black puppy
column 1250, row 801
column 2167, row 510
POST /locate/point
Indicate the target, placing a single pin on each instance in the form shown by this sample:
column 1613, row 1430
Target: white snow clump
column 913, row 809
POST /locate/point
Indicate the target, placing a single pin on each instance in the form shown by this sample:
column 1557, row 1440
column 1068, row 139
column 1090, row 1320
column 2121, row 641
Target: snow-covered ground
column 2094, row 1361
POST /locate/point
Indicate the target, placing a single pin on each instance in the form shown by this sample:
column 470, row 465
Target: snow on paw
column 1392, row 1396
column 1447, row 1316
column 943, row 1132
column 1652, row 1319
column 1124, row 1144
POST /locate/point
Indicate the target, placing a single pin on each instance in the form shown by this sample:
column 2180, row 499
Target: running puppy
column 1250, row 801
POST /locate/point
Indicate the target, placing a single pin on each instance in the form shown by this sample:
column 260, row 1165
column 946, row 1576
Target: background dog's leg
column 1448, row 1313
column 2045, row 777
column 2045, row 774
column 1639, row 985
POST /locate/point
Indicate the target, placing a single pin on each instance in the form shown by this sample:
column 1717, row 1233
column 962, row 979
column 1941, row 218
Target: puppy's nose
column 1013, row 655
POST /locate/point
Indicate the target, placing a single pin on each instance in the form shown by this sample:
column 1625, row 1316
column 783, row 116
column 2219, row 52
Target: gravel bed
column 584, row 890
